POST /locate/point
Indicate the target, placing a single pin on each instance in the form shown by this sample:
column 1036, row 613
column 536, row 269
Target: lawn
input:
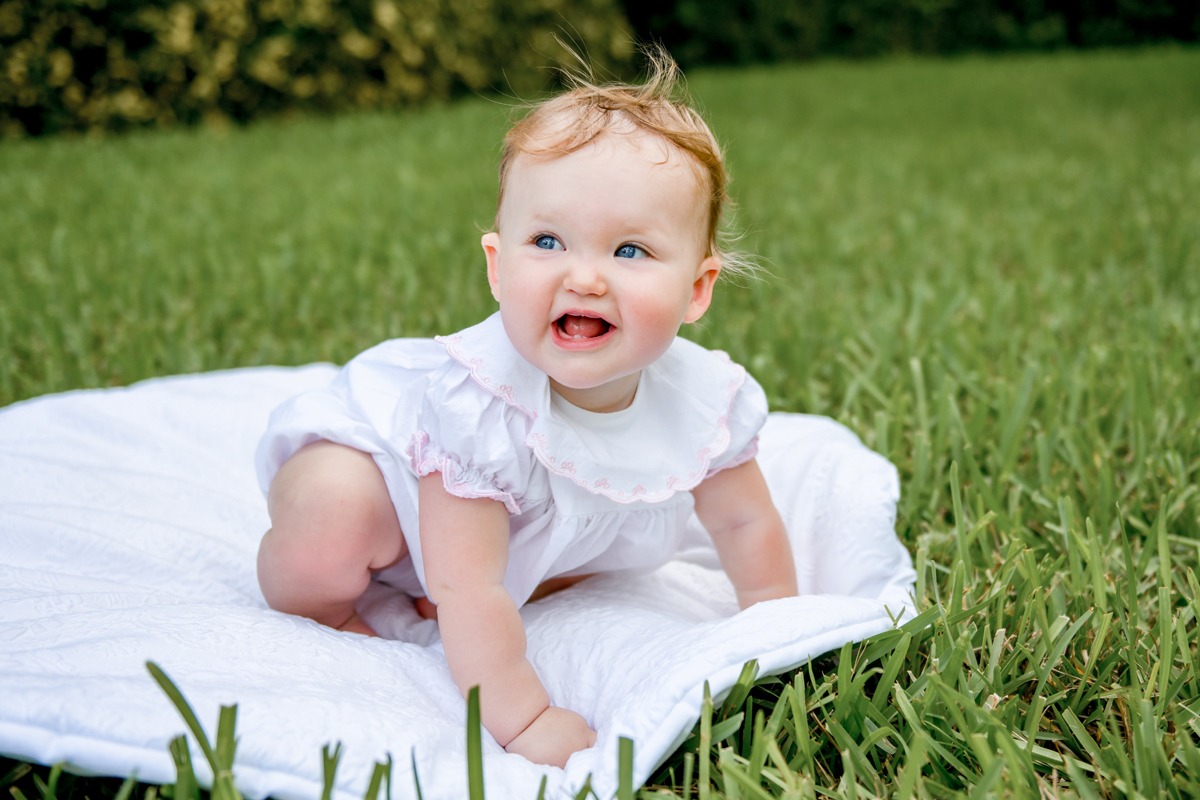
column 989, row 268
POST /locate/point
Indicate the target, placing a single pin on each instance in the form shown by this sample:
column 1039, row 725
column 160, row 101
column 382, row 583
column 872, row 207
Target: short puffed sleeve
column 473, row 438
column 356, row 409
column 746, row 415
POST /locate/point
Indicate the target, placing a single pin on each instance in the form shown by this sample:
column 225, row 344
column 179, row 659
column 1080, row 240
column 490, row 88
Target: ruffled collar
column 663, row 443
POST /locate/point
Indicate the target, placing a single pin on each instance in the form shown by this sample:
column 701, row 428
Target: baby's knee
column 330, row 513
column 303, row 581
column 301, row 575
column 325, row 489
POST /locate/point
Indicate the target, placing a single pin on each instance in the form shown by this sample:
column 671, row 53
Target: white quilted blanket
column 129, row 522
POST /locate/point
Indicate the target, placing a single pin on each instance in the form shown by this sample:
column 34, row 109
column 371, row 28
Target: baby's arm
column 735, row 507
column 464, row 544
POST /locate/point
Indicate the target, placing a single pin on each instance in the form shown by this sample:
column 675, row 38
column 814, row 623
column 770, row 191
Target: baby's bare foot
column 553, row 585
column 425, row 607
column 357, row 624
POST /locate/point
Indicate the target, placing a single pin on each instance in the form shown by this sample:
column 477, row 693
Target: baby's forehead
column 627, row 145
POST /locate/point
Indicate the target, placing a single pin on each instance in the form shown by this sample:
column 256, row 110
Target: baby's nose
column 585, row 276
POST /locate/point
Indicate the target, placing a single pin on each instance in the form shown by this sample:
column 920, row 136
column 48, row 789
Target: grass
column 988, row 268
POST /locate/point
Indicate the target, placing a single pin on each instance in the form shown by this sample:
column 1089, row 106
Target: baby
column 568, row 434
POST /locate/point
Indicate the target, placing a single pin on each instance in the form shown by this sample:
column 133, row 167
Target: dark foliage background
column 88, row 65
column 750, row 31
column 74, row 65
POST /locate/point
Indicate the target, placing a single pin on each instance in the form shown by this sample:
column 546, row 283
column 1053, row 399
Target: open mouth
column 579, row 328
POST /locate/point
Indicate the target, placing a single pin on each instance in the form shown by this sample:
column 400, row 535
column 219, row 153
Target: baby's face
column 598, row 261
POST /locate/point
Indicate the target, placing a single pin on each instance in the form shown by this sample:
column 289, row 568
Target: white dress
column 585, row 492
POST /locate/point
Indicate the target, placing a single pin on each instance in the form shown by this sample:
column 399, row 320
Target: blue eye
column 630, row 251
column 547, row 242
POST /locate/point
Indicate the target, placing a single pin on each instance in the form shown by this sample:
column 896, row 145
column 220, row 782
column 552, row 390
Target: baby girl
column 570, row 433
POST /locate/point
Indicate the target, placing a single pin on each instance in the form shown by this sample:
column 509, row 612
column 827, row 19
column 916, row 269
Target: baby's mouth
column 573, row 326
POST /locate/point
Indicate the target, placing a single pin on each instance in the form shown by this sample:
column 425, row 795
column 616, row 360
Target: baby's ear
column 702, row 288
column 491, row 250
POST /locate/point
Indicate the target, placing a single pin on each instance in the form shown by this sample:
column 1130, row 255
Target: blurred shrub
column 747, row 31
column 69, row 65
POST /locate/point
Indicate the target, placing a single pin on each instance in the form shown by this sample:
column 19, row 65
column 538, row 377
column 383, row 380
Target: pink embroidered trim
column 748, row 454
column 566, row 469
column 475, row 368
column 457, row 480
column 674, row 483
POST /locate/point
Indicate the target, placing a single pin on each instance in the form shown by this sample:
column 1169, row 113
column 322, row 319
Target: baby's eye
column 547, row 242
column 630, row 251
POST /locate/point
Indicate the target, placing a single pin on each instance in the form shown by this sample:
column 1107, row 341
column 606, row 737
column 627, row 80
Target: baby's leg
column 332, row 524
column 428, row 610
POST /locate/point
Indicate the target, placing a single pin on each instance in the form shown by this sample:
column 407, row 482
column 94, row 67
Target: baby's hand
column 552, row 737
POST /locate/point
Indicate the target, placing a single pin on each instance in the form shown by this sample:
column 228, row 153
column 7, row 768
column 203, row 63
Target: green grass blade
column 416, row 776
column 585, row 790
column 625, row 787
column 186, row 787
column 329, row 766
column 49, row 788
column 185, row 710
column 474, row 746
column 704, row 753
column 381, row 779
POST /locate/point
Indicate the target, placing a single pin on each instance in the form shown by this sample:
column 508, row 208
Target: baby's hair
column 588, row 109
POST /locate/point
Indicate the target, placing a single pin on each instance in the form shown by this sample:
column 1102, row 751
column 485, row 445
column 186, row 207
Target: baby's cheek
column 660, row 309
column 523, row 293
column 657, row 323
